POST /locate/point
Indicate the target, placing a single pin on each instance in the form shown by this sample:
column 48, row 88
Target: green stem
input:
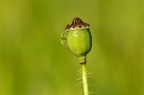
column 84, row 79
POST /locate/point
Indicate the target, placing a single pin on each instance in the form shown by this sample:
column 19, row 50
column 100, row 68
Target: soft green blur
column 33, row 62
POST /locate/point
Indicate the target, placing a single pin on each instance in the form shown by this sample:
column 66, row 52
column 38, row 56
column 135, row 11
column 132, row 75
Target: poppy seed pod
column 78, row 38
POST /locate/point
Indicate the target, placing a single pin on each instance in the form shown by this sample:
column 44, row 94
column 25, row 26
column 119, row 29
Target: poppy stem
column 84, row 79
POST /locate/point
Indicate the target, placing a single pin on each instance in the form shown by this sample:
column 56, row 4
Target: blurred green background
column 33, row 62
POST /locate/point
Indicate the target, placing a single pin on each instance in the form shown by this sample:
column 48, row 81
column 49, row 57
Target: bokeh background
column 33, row 62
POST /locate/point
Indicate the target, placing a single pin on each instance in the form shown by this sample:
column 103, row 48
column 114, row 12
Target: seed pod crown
column 77, row 23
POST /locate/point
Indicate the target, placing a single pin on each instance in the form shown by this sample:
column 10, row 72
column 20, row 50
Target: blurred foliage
column 33, row 62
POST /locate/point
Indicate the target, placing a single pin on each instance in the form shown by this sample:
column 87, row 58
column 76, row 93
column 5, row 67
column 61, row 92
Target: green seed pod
column 78, row 38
